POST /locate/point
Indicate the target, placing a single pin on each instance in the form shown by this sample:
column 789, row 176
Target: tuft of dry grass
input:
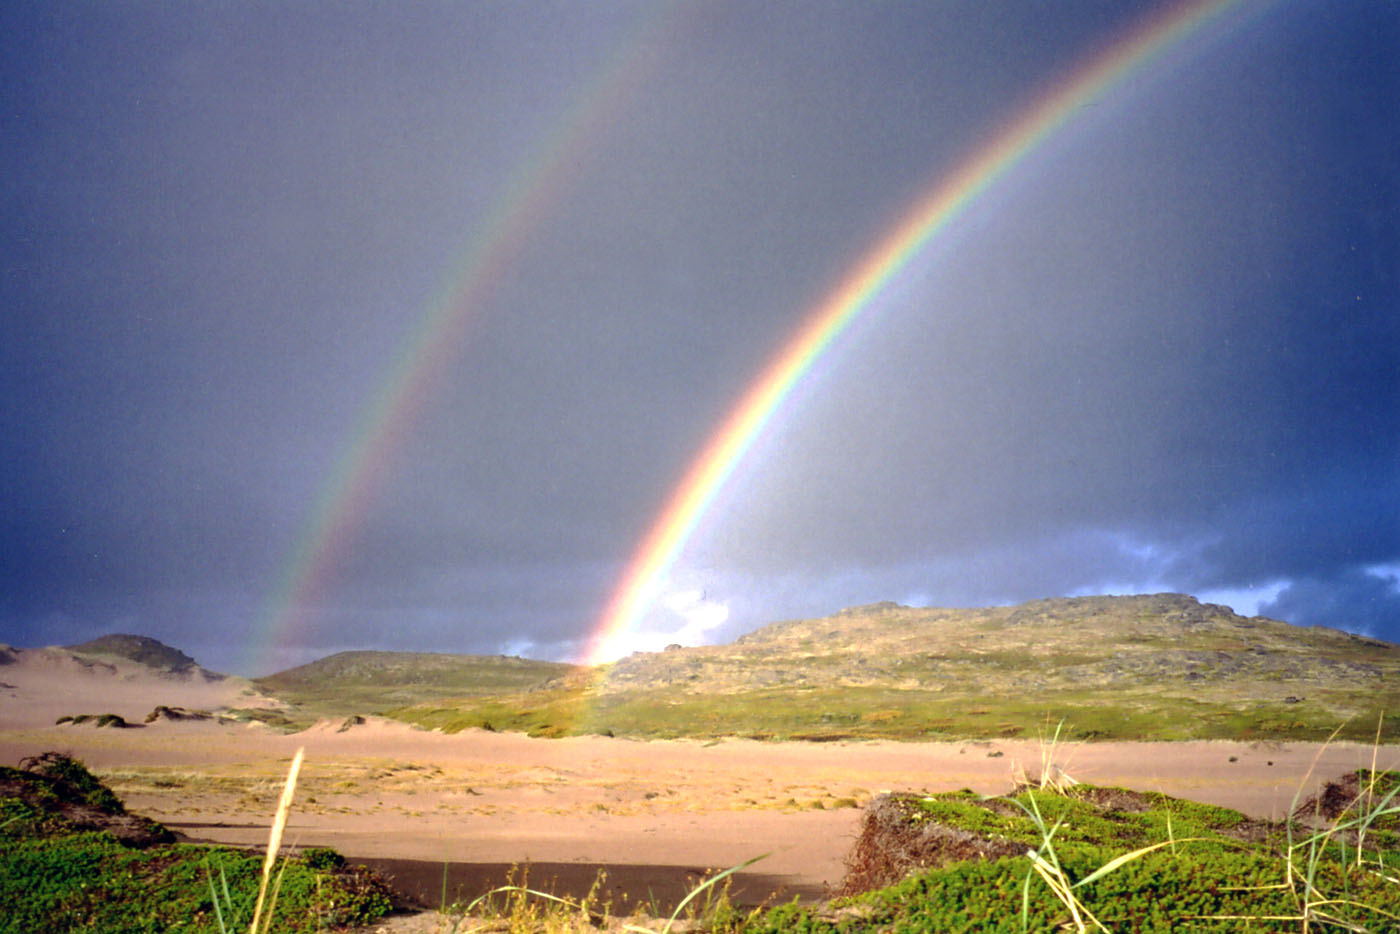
column 1052, row 776
column 274, row 842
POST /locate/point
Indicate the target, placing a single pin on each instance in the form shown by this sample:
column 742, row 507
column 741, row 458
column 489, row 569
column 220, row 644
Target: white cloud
column 681, row 617
column 524, row 648
column 1389, row 572
column 700, row 613
column 1245, row 601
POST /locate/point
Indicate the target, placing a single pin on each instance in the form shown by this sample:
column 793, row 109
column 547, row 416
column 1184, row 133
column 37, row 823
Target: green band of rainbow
column 946, row 202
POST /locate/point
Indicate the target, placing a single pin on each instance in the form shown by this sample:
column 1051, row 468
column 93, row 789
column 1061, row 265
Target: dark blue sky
column 1164, row 354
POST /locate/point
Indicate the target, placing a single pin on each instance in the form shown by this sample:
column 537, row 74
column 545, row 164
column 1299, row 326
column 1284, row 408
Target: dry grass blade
column 1369, row 807
column 1052, row 776
column 1054, row 876
column 518, row 892
column 274, row 840
column 694, row 893
column 1046, row 864
column 1125, row 858
column 1311, row 902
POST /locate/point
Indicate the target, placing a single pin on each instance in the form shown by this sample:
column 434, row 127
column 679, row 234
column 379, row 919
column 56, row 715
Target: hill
column 1162, row 666
column 140, row 649
column 115, row 678
column 362, row 682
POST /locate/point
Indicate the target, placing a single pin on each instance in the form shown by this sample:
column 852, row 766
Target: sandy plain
column 657, row 815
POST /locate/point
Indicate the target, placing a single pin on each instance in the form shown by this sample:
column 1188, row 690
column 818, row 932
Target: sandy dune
column 37, row 686
column 483, row 801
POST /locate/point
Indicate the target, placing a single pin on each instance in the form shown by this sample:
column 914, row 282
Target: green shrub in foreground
column 90, row 882
column 1199, row 878
column 1159, row 892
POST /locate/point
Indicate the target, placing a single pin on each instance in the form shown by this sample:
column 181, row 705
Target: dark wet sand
column 656, row 889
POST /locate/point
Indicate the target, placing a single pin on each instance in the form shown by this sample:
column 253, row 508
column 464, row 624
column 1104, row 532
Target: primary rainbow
column 947, row 200
column 428, row 351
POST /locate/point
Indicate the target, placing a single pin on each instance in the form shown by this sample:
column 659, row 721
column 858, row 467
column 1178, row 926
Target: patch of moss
column 73, row 859
column 90, row 882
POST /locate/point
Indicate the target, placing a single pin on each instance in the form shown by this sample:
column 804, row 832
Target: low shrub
column 1092, row 858
column 73, row 859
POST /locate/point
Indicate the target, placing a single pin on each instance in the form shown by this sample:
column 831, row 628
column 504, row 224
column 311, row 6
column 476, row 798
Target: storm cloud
column 1162, row 354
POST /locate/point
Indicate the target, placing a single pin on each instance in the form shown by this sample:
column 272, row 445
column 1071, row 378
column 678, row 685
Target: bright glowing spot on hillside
column 689, row 616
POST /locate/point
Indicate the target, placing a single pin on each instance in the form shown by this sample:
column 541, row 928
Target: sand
column 37, row 686
column 657, row 814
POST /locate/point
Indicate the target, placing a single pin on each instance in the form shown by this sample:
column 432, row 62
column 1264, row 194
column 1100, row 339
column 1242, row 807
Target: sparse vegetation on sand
column 96, row 719
column 1078, row 858
column 520, row 909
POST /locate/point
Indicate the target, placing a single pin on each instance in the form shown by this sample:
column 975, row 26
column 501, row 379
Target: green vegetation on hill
column 1160, row 666
column 350, row 683
column 141, row 649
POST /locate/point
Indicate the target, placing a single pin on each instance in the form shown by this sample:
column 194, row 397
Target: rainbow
column 428, row 351
column 949, row 198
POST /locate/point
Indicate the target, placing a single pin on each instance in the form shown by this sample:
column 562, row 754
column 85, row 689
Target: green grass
column 350, row 683
column 873, row 712
column 1159, row 892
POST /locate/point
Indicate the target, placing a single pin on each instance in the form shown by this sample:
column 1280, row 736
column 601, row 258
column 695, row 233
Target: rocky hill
column 1158, row 641
column 1159, row 666
column 140, row 649
column 472, row 673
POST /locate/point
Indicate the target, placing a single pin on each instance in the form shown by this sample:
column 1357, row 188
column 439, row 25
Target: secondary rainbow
column 429, row 350
column 949, row 198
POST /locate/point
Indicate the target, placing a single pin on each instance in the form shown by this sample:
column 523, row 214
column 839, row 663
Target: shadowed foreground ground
column 657, row 889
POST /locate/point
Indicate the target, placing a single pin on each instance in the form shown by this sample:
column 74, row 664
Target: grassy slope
column 372, row 682
column 1159, row 667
